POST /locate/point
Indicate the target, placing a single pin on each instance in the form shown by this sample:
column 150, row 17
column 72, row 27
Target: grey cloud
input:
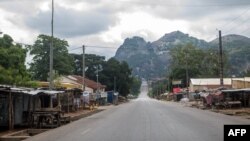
column 94, row 45
column 70, row 23
column 188, row 9
column 20, row 6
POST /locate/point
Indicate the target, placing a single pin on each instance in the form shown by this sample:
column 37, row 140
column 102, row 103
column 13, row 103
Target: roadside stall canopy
column 35, row 92
column 236, row 90
column 242, row 95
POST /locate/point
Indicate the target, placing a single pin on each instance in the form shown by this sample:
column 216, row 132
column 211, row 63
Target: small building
column 13, row 104
column 90, row 85
column 241, row 83
column 112, row 97
column 200, row 84
column 18, row 105
column 241, row 95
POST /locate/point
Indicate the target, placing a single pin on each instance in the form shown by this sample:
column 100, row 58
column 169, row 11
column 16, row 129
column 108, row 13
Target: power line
column 101, row 47
column 234, row 19
column 190, row 5
column 74, row 48
column 237, row 26
column 245, row 30
column 86, row 46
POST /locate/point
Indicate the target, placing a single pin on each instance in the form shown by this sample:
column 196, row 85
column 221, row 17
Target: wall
column 206, row 87
column 239, row 84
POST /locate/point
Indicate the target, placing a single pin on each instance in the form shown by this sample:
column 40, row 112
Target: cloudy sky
column 106, row 23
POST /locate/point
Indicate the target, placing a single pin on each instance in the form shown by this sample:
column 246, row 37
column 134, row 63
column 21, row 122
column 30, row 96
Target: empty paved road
column 145, row 119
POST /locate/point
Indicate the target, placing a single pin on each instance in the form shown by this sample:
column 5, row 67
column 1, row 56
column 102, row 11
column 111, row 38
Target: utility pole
column 83, row 67
column 51, row 50
column 169, row 84
column 221, row 60
column 187, row 77
column 51, row 55
column 114, row 84
column 97, row 79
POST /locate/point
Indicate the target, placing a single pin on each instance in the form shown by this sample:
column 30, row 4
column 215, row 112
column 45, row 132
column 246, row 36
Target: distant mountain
column 139, row 55
column 175, row 38
column 151, row 60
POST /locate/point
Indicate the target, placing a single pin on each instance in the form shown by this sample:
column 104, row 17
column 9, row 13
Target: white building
column 208, row 83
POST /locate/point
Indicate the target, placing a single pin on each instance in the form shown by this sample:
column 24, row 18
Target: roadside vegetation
column 12, row 64
column 197, row 62
column 114, row 74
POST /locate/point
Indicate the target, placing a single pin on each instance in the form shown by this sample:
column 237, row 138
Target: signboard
column 104, row 94
column 176, row 82
column 176, row 90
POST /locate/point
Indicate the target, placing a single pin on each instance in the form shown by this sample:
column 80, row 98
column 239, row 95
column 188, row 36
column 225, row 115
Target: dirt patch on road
column 243, row 112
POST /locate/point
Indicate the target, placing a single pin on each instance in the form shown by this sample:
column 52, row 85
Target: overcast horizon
column 107, row 24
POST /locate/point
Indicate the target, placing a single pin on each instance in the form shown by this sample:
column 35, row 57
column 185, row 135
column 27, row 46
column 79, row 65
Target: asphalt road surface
column 145, row 119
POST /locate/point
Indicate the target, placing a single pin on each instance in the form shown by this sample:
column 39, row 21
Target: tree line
column 111, row 72
column 189, row 61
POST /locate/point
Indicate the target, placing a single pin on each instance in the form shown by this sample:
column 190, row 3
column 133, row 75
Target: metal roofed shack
column 18, row 105
column 241, row 95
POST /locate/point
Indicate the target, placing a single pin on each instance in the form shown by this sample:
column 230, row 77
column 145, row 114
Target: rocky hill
column 151, row 59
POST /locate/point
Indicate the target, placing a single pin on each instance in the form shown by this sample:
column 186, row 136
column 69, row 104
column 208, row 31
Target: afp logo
column 236, row 132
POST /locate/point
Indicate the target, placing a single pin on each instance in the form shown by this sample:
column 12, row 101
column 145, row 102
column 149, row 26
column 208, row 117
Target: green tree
column 135, row 87
column 113, row 71
column 159, row 87
column 109, row 72
column 12, row 63
column 63, row 62
column 199, row 62
column 6, row 41
column 91, row 62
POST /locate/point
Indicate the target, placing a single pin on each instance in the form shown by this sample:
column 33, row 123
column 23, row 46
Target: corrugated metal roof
column 210, row 81
column 237, row 90
column 28, row 90
column 88, row 82
column 35, row 92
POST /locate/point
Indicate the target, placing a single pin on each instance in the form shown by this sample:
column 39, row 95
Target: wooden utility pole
column 83, row 67
column 221, row 60
column 51, row 50
column 83, row 72
column 187, row 77
column 11, row 122
column 114, row 84
column 51, row 55
column 97, row 79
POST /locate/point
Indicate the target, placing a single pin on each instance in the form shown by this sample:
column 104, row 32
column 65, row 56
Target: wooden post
column 67, row 102
column 51, row 101
column 59, row 102
column 10, row 108
column 221, row 61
